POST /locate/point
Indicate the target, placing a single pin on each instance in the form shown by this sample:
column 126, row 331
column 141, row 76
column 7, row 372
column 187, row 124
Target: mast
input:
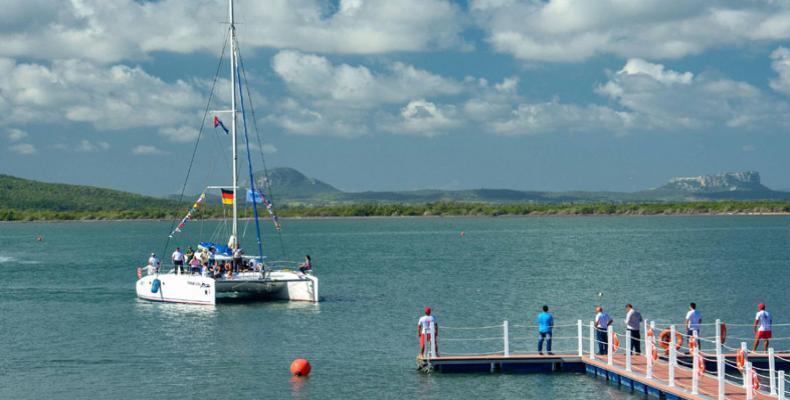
column 232, row 38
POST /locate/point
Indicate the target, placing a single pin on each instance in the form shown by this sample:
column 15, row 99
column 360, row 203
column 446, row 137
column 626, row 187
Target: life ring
column 653, row 353
column 664, row 340
column 755, row 381
column 740, row 360
column 700, row 366
column 139, row 272
column 692, row 343
column 615, row 343
column 723, row 332
column 650, row 332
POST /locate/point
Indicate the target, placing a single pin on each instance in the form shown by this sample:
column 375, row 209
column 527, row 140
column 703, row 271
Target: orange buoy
column 723, row 332
column 615, row 342
column 300, row 367
column 740, row 359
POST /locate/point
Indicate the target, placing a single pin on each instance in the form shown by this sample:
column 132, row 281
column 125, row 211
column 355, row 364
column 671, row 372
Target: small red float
column 300, row 367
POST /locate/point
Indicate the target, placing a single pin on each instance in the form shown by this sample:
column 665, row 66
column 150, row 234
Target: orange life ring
column 755, row 381
column 700, row 366
column 740, row 359
column 654, row 353
column 650, row 332
column 692, row 343
column 615, row 343
column 723, row 332
column 664, row 339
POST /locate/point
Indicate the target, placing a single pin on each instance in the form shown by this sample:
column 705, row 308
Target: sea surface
column 71, row 326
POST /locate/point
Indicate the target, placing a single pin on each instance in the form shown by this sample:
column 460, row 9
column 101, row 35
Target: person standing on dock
column 693, row 322
column 545, row 327
column 424, row 331
column 633, row 321
column 602, row 322
column 762, row 327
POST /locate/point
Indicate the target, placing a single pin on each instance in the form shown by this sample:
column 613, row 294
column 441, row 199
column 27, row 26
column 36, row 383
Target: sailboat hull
column 195, row 289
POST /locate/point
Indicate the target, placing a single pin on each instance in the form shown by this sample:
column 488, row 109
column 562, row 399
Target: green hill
column 41, row 200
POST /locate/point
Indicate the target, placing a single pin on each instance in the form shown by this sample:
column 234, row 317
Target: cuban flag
column 217, row 123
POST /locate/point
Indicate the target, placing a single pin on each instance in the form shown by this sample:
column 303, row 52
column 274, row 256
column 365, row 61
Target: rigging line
column 197, row 142
column 267, row 182
column 249, row 165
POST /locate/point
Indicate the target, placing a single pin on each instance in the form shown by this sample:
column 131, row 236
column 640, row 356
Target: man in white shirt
column 633, row 321
column 153, row 264
column 693, row 323
column 178, row 260
column 602, row 322
column 424, row 330
column 762, row 327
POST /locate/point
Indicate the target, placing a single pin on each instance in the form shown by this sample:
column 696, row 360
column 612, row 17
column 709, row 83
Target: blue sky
column 383, row 95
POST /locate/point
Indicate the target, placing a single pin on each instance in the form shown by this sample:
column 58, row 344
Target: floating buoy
column 300, row 367
column 462, row 233
column 155, row 285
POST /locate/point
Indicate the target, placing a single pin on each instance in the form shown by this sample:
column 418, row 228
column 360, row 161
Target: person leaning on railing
column 633, row 321
column 602, row 322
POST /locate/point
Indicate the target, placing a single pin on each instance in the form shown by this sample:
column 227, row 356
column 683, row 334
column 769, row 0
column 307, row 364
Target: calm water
column 72, row 327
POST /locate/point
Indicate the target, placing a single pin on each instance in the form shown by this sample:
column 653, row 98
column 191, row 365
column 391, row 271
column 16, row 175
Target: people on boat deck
column 203, row 270
column 545, row 327
column 633, row 322
column 237, row 263
column 153, row 264
column 424, row 331
column 194, row 265
column 693, row 323
column 204, row 257
column 178, row 260
column 216, row 272
column 307, row 265
column 190, row 254
column 762, row 327
column 602, row 322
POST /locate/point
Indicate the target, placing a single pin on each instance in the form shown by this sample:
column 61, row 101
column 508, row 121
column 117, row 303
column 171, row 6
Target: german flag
column 227, row 196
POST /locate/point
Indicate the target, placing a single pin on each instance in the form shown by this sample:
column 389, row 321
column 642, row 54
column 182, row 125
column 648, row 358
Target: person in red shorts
column 762, row 327
column 424, row 330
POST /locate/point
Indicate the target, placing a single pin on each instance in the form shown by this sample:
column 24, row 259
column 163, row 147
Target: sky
column 553, row 95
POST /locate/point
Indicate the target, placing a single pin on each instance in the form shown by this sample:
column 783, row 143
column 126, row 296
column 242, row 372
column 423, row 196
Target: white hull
column 195, row 289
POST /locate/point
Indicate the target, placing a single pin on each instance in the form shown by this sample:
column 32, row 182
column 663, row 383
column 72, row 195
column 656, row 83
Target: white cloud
column 556, row 117
column 15, row 134
column 23, row 149
column 316, row 77
column 576, row 30
column 424, row 118
column 147, row 150
column 114, row 97
column 86, row 146
column 112, row 31
column 667, row 99
column 781, row 64
column 179, row 134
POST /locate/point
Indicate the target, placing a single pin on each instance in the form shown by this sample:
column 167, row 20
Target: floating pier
column 677, row 372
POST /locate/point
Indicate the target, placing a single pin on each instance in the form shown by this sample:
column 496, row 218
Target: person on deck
column 190, row 254
column 203, row 256
column 693, row 323
column 237, row 260
column 178, row 260
column 762, row 327
column 545, row 327
column 424, row 331
column 153, row 264
column 194, row 265
column 633, row 322
column 307, row 265
column 602, row 322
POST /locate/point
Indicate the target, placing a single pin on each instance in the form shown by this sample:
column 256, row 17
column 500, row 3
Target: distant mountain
column 294, row 185
column 726, row 186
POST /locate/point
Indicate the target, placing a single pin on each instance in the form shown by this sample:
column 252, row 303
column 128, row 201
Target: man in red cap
column 424, row 330
column 762, row 327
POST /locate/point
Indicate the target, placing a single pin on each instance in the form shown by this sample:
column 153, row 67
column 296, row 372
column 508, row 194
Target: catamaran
column 251, row 276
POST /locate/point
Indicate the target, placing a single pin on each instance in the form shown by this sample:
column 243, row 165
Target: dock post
column 609, row 352
column 628, row 350
column 719, row 361
column 747, row 380
column 781, row 392
column 745, row 361
column 432, row 351
column 581, row 343
column 507, row 339
column 772, row 369
column 650, row 346
column 592, row 340
column 672, row 355
column 695, row 367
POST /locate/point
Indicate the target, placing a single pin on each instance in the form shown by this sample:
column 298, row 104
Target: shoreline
column 452, row 216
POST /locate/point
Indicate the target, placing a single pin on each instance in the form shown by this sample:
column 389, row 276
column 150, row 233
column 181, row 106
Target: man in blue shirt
column 545, row 325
